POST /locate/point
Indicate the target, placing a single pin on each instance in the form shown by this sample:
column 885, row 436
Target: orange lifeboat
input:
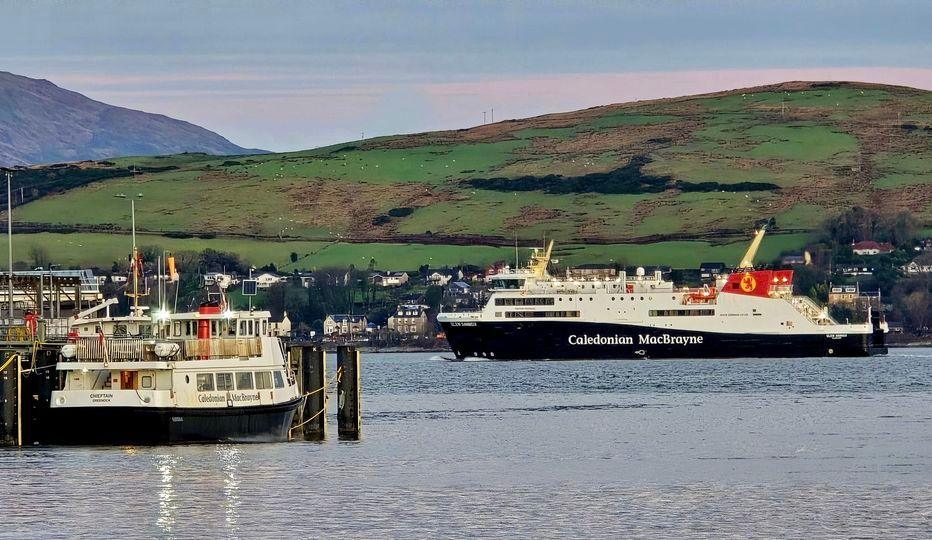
column 701, row 296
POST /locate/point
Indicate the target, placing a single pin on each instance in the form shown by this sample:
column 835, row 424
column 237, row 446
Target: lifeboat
column 704, row 295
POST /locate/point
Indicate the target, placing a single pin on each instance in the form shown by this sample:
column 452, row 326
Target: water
column 709, row 449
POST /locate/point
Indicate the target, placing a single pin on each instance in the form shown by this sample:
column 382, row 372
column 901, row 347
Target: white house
column 344, row 324
column 266, row 280
column 281, row 328
column 220, row 279
column 442, row 278
column 869, row 247
column 389, row 279
column 917, row 268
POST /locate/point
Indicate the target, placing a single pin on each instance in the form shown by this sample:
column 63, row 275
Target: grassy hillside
column 694, row 169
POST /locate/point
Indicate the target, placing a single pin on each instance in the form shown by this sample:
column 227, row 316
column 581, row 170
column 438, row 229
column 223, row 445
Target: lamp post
column 9, row 237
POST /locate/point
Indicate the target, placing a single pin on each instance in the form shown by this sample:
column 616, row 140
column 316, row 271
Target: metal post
column 9, row 237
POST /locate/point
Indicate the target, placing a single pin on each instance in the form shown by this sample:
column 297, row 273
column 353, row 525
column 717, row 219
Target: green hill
column 688, row 173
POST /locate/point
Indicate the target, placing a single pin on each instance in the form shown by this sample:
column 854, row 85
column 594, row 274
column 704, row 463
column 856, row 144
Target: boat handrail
column 94, row 349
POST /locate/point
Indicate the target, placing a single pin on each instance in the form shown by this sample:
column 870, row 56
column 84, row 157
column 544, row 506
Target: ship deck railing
column 811, row 310
column 91, row 349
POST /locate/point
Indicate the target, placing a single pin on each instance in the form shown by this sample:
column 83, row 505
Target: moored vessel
column 204, row 376
column 749, row 312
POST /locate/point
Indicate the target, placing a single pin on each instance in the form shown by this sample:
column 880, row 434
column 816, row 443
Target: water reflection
column 166, row 465
column 230, row 458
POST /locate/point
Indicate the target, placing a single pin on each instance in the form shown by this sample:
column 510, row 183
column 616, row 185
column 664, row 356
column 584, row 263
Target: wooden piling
column 314, row 373
column 349, row 398
column 296, row 365
column 9, row 391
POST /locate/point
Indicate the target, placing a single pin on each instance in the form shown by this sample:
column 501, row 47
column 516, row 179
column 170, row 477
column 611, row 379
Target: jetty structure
column 748, row 312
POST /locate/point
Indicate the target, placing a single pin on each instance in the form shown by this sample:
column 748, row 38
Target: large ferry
column 748, row 312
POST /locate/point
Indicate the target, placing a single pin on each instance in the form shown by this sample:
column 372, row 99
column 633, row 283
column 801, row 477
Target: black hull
column 150, row 426
column 557, row 340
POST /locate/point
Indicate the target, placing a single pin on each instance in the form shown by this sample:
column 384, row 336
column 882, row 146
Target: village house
column 344, row 325
column 845, row 295
column 220, row 279
column 267, row 279
column 793, row 260
column 915, row 268
column 281, row 328
column 389, row 279
column 305, row 279
column 870, row 248
column 460, row 293
column 441, row 278
column 410, row 320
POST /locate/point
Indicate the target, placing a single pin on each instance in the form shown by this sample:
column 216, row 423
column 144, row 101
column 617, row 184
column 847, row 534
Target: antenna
column 516, row 249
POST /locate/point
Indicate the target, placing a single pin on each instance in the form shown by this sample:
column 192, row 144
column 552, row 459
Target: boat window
column 147, row 381
column 224, row 381
column 205, row 382
column 279, row 380
column 265, row 325
column 176, row 326
column 263, row 380
column 244, row 380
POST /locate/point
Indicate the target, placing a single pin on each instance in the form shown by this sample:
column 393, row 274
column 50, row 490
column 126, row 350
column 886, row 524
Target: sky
column 290, row 75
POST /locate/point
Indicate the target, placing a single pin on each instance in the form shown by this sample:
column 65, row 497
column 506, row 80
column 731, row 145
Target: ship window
column 263, row 380
column 279, row 380
column 205, row 382
column 147, row 381
column 224, row 381
column 524, row 301
column 244, row 380
column 507, row 283
column 539, row 314
column 681, row 312
column 177, row 328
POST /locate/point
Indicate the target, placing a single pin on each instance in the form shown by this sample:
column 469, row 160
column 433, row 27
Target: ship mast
column 748, row 260
column 540, row 259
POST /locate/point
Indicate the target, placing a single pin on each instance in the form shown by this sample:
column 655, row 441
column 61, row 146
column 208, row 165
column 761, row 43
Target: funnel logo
column 748, row 283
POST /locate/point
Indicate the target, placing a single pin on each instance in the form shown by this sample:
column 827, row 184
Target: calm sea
column 733, row 448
